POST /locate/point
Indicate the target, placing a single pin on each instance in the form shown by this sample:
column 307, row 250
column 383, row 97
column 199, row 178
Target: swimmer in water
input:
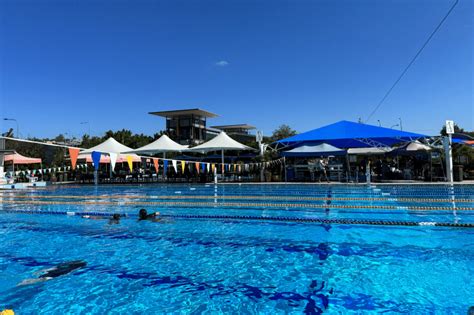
column 143, row 215
column 59, row 270
column 115, row 219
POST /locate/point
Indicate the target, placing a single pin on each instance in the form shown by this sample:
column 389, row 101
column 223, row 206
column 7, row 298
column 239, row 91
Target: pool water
column 233, row 265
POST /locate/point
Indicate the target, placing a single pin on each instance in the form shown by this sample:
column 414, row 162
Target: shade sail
column 109, row 146
column 322, row 149
column 221, row 142
column 411, row 148
column 416, row 146
column 17, row 158
column 162, row 145
column 347, row 134
column 105, row 159
column 367, row 151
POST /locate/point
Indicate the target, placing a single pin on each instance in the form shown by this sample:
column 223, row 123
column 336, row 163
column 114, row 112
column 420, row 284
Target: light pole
column 17, row 126
column 89, row 126
column 401, row 128
column 380, row 124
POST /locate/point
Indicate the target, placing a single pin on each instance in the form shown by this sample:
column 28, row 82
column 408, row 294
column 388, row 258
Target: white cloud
column 222, row 63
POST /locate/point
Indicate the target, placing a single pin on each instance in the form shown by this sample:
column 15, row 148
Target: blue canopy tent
column 347, row 134
column 316, row 150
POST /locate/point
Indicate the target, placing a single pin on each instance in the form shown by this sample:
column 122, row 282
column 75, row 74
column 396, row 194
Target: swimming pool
column 241, row 249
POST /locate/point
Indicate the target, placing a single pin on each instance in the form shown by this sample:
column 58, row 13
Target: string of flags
column 47, row 170
column 159, row 164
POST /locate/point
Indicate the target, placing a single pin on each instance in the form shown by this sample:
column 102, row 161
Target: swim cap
column 7, row 312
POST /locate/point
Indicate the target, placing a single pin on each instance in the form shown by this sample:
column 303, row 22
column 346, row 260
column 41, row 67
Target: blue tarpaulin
column 347, row 134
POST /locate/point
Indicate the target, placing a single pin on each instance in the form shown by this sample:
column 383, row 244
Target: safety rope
column 260, row 218
column 239, row 197
column 237, row 204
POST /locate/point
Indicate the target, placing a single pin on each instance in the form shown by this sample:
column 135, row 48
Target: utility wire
column 412, row 61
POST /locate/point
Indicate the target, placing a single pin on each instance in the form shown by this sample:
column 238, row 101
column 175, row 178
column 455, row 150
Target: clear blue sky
column 264, row 62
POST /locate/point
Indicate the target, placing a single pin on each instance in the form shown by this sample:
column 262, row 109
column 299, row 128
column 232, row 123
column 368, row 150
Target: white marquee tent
column 161, row 145
column 222, row 142
column 113, row 149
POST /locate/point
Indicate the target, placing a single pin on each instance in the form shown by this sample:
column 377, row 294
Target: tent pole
column 215, row 175
column 164, row 170
column 222, row 167
column 284, row 167
column 2, row 158
column 449, row 158
column 431, row 167
column 367, row 172
column 348, row 173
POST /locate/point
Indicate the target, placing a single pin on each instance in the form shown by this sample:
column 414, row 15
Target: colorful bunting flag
column 113, row 160
column 73, row 154
column 95, row 159
column 165, row 167
column 175, row 165
column 156, row 164
column 130, row 162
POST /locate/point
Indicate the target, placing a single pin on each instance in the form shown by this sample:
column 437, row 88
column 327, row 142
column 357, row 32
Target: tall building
column 186, row 126
column 239, row 132
column 241, row 129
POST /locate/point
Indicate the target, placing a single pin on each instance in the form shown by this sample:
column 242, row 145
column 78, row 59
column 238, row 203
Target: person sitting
column 143, row 215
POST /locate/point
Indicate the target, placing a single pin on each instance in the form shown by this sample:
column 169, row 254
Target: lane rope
column 239, row 197
column 238, row 205
column 260, row 218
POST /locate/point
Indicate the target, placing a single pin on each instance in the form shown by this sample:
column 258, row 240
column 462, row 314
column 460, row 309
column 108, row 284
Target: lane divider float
column 261, row 218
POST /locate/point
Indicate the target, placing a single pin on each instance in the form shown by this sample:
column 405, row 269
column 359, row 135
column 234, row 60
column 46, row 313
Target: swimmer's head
column 116, row 216
column 142, row 214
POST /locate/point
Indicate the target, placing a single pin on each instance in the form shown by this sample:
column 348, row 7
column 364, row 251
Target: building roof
column 236, row 126
column 180, row 112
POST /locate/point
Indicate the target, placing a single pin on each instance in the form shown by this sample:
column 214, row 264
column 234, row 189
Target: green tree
column 462, row 154
column 282, row 132
column 457, row 129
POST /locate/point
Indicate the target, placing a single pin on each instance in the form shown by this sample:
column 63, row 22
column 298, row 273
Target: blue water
column 213, row 266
